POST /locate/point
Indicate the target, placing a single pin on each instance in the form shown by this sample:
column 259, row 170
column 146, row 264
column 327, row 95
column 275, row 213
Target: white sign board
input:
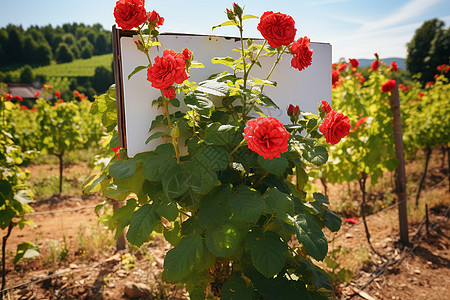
column 305, row 88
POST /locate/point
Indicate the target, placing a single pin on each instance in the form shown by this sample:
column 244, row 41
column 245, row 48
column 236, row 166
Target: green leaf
column 317, row 155
column 201, row 180
column 155, row 136
column 196, row 65
column 122, row 217
column 224, row 239
column 267, row 251
column 173, row 236
column 311, row 236
column 123, row 169
column 156, row 166
column 236, row 289
column 167, row 209
column 245, row 17
column 248, row 204
column 222, row 135
column 319, row 279
column 302, row 177
column 180, row 260
column 213, row 87
column 215, row 209
column 258, row 81
column 26, row 250
column 175, row 181
column 267, row 101
column 213, row 157
column 227, row 61
column 137, row 69
column 276, row 165
column 332, row 221
column 321, row 198
column 143, row 221
column 278, row 202
column 227, row 23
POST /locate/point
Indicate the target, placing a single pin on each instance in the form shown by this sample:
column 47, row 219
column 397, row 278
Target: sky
column 354, row 28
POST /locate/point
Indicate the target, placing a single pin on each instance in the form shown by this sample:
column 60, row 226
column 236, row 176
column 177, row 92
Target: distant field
column 77, row 68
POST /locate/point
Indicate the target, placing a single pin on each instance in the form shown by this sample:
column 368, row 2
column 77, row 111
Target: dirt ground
column 420, row 271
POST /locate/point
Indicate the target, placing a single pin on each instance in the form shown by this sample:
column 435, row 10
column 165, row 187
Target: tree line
column 40, row 45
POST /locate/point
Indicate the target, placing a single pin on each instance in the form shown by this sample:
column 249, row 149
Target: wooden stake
column 400, row 178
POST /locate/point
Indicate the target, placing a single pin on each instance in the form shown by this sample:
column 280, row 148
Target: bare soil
column 92, row 270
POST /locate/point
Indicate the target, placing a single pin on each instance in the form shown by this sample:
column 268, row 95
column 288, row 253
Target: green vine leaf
column 248, row 204
column 180, row 260
column 137, row 69
column 143, row 221
column 311, row 236
column 267, row 251
column 276, row 165
column 227, row 23
column 224, row 239
column 215, row 208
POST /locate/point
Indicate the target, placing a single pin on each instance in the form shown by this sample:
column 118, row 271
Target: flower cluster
column 279, row 30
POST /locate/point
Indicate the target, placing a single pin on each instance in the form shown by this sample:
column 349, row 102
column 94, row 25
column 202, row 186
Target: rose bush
column 220, row 188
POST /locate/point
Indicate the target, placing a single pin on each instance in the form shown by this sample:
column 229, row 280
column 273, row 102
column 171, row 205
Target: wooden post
column 400, row 177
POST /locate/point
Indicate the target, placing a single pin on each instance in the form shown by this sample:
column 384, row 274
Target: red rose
column 334, row 77
column 169, row 92
column 441, row 67
column 266, row 136
column 302, row 54
column 429, row 84
column 34, row 109
column 18, row 98
column 187, row 54
column 374, row 65
column 393, row 66
column 362, row 79
column 293, row 110
column 167, row 70
column 326, row 107
column 155, row 19
column 277, row 28
column 24, row 107
column 8, row 96
column 421, row 95
column 354, row 62
column 388, row 86
column 342, row 67
column 335, row 126
column 58, row 94
column 130, row 13
column 37, row 94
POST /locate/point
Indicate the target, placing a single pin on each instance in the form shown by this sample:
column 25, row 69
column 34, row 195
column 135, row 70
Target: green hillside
column 77, row 68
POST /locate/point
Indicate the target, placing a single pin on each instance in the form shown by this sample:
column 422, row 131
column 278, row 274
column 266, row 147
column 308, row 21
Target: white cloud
column 408, row 11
